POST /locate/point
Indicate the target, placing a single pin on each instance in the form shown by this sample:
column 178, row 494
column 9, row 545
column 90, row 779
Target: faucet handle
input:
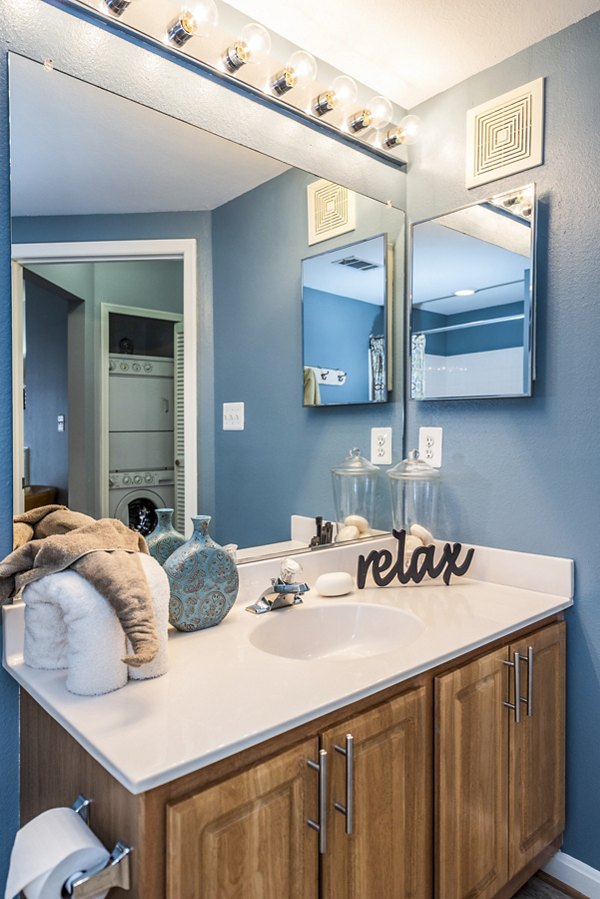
column 290, row 571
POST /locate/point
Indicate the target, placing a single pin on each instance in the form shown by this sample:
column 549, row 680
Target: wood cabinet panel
column 388, row 855
column 471, row 764
column 537, row 764
column 247, row 837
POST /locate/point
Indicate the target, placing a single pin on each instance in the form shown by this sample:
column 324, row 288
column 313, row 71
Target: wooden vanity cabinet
column 440, row 748
column 500, row 782
column 248, row 837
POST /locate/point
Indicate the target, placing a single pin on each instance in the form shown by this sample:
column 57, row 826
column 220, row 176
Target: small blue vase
column 203, row 578
column 164, row 539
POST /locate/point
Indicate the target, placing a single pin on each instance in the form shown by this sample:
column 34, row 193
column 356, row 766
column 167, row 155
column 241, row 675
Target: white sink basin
column 343, row 631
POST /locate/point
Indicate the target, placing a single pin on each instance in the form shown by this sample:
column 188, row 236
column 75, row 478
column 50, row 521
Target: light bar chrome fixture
column 341, row 95
column 198, row 18
column 300, row 71
column 332, row 108
column 377, row 115
column 253, row 46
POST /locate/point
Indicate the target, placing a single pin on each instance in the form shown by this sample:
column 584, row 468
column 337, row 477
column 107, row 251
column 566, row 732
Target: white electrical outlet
column 233, row 416
column 381, row 446
column 430, row 446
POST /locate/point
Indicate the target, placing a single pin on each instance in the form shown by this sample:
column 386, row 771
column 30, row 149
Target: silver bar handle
column 528, row 700
column 516, row 705
column 321, row 825
column 348, row 809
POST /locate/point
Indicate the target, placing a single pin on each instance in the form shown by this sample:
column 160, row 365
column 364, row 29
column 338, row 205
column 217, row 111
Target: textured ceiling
column 410, row 51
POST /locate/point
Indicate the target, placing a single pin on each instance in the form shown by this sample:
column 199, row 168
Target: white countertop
column 222, row 695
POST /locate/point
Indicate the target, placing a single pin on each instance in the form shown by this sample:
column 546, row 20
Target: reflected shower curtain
column 377, row 386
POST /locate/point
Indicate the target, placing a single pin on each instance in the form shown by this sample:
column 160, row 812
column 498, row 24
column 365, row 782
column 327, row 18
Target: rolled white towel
column 158, row 583
column 95, row 639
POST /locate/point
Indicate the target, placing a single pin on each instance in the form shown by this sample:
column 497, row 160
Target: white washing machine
column 134, row 497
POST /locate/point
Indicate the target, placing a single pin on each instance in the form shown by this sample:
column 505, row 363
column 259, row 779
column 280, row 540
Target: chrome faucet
column 285, row 591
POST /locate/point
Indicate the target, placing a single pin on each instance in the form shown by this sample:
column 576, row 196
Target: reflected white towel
column 95, row 640
column 159, row 590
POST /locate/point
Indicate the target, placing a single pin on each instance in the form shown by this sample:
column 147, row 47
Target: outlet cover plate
column 233, row 416
column 430, row 446
column 381, row 446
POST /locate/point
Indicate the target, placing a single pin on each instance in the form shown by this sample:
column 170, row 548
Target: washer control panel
column 117, row 480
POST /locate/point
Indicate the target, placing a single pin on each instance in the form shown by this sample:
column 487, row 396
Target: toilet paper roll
column 48, row 850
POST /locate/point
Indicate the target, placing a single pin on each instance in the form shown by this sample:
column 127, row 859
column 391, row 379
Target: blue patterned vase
column 164, row 539
column 203, row 578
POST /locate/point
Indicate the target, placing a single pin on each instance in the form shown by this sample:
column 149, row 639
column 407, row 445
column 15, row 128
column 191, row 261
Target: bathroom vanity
column 328, row 770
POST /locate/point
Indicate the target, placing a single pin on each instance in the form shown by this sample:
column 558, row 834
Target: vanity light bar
column 112, row 14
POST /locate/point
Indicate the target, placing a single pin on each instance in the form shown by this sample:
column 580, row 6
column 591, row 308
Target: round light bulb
column 344, row 92
column 255, row 43
column 410, row 127
column 380, row 112
column 197, row 18
column 465, row 292
column 302, row 67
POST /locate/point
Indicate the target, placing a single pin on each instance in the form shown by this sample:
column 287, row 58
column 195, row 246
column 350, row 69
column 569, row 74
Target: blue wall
column 282, row 460
column 336, row 335
column 513, row 471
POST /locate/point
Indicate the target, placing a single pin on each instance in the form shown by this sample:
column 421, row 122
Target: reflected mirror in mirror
column 344, row 324
column 472, row 303
column 245, row 214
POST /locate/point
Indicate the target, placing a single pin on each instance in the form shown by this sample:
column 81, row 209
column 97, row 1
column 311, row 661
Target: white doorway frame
column 111, row 251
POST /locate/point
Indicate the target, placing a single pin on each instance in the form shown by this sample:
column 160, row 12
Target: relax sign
column 422, row 562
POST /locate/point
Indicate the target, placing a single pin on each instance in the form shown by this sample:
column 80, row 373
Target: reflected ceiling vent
column 354, row 262
column 331, row 210
column 505, row 135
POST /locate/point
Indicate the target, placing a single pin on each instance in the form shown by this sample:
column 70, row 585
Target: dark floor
column 539, row 889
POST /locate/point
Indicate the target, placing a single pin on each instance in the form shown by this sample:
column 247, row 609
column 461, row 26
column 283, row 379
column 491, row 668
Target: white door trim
column 104, row 251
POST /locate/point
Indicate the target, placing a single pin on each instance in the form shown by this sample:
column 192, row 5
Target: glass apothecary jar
column 355, row 482
column 415, row 493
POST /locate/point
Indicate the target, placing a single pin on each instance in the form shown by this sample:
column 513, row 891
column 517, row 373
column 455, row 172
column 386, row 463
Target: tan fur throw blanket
column 104, row 552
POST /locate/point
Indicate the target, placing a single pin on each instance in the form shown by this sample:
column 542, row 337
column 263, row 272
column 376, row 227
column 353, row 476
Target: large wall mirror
column 472, row 300
column 132, row 228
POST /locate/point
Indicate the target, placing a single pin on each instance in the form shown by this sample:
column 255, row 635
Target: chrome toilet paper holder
column 113, row 873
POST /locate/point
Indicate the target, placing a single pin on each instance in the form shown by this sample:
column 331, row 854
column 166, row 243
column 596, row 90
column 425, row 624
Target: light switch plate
column 381, row 446
column 233, row 416
column 430, row 446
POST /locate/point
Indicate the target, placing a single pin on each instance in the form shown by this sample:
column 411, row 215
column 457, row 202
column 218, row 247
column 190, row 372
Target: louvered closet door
column 179, row 518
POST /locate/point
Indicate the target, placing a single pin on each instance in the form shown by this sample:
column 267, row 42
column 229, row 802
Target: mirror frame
column 529, row 324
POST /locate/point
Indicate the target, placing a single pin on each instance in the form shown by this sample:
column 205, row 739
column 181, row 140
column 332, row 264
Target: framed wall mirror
column 473, row 300
column 237, row 294
column 344, row 324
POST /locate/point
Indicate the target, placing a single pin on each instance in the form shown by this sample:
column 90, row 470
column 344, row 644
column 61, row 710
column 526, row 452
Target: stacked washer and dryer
column 141, row 438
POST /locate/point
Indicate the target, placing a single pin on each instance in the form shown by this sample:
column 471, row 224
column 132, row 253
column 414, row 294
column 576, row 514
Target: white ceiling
column 410, row 51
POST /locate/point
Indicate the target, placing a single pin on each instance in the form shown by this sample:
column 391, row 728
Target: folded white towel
column 95, row 639
column 68, row 624
column 159, row 590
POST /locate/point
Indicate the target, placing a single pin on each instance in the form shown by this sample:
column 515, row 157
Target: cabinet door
column 388, row 855
column 247, row 837
column 536, row 781
column 472, row 764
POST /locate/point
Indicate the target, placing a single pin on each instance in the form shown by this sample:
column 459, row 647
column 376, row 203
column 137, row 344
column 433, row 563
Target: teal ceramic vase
column 164, row 539
column 203, row 578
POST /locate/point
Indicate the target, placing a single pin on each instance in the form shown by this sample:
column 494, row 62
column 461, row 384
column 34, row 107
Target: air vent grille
column 354, row 262
column 331, row 210
column 505, row 136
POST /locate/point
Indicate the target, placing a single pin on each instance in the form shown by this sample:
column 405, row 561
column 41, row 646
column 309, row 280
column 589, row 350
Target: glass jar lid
column 413, row 468
column 355, row 465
